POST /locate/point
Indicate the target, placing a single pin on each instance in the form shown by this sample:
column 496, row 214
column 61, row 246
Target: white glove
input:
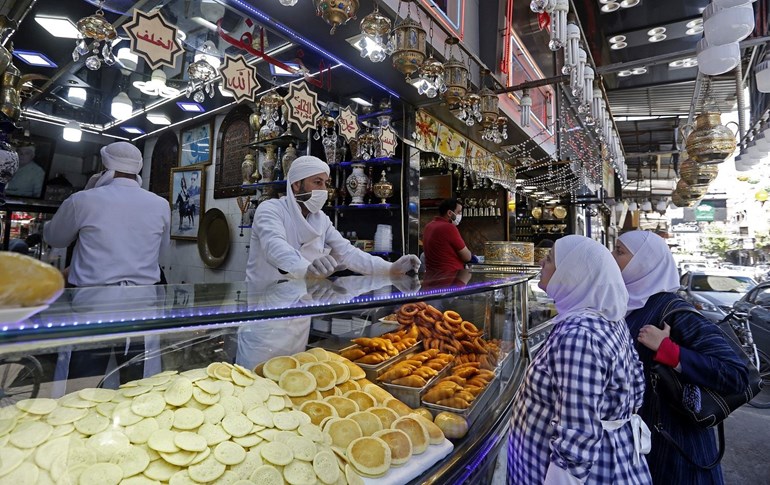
column 405, row 283
column 405, row 264
column 322, row 267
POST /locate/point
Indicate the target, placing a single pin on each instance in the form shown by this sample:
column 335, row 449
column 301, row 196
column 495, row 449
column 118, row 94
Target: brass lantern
column 269, row 114
column 336, row 12
column 409, row 46
column 374, row 43
column 456, row 80
column 488, row 106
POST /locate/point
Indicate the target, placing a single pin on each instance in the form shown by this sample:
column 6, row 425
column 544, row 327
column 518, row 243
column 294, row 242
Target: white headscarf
column 587, row 279
column 302, row 168
column 651, row 270
column 122, row 156
column 103, row 178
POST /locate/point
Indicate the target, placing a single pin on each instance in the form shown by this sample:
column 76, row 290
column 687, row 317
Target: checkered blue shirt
column 586, row 372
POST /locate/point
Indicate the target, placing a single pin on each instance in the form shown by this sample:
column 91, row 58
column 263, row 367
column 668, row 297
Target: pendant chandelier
column 327, row 131
column 374, row 43
column 409, row 46
column 494, row 127
column 203, row 71
column 95, row 27
column 270, row 113
column 470, row 109
column 431, row 74
column 456, row 76
column 368, row 145
column 336, row 12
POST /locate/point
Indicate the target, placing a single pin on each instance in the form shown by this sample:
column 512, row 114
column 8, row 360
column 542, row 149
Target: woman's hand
column 651, row 336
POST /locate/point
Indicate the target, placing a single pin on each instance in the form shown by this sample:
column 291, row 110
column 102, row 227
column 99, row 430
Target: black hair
column 545, row 243
column 447, row 205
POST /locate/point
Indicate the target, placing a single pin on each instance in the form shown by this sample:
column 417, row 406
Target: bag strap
column 656, row 407
column 710, row 466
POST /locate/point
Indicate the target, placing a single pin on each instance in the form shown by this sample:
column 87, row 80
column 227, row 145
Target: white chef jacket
column 121, row 231
column 283, row 240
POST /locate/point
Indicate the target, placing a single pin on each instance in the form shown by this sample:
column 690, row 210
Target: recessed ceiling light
column 133, row 130
column 677, row 63
column 61, row 27
column 190, row 107
column 34, row 58
column 656, row 31
column 618, row 45
column 77, row 96
column 658, row 37
column 625, row 73
column 610, row 7
column 638, row 70
column 698, row 29
column 630, row 3
column 693, row 23
column 617, row 38
column 72, row 132
column 158, row 119
column 279, row 71
column 361, row 101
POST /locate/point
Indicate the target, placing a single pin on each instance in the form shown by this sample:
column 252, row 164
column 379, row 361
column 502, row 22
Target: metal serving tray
column 412, row 396
column 476, row 408
column 373, row 371
column 499, row 268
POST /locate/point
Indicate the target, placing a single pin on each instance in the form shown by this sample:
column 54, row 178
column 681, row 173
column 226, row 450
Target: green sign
column 704, row 212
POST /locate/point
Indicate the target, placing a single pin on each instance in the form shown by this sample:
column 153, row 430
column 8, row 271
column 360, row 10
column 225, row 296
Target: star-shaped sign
column 388, row 142
column 303, row 106
column 240, row 78
column 348, row 122
column 153, row 38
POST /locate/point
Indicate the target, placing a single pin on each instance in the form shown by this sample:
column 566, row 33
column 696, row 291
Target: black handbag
column 714, row 407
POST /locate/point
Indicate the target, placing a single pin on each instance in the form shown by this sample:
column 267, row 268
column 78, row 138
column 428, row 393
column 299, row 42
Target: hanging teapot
column 697, row 174
column 710, row 141
column 10, row 90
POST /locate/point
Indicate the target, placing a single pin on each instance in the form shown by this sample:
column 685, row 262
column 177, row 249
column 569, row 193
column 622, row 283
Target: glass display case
column 130, row 339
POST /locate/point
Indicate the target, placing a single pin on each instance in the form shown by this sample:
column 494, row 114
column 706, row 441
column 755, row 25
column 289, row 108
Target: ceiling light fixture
column 694, row 30
column 61, row 27
column 658, row 37
column 374, row 42
column 610, row 7
column 618, row 45
column 279, row 71
column 630, row 3
column 77, row 96
column 121, row 107
column 133, row 130
column 615, row 39
column 625, row 73
column 361, row 101
column 656, row 31
column 190, row 107
column 714, row 60
column 638, row 70
column 98, row 29
column 34, row 58
column 762, row 75
column 158, row 119
column 694, row 23
column 72, row 132
column 727, row 25
column 203, row 71
column 128, row 60
column 156, row 86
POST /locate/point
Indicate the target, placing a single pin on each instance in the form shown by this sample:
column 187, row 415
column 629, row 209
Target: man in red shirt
column 445, row 250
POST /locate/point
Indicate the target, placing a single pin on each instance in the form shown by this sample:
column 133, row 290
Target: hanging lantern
column 526, row 107
column 374, row 43
column 327, row 131
column 270, row 115
column 203, row 71
column 470, row 109
column 368, row 145
column 488, row 106
column 431, row 78
column 408, row 46
column 456, row 81
column 95, row 27
column 336, row 12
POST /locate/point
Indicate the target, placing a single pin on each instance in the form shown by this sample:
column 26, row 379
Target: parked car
column 714, row 292
column 756, row 305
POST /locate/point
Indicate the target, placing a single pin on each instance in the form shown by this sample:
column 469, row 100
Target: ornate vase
column 697, row 174
column 356, row 184
column 710, row 141
column 332, row 193
column 9, row 164
column 247, row 168
column 268, row 165
column 288, row 157
column 383, row 189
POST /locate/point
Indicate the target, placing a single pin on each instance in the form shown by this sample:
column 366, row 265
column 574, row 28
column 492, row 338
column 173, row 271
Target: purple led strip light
column 310, row 44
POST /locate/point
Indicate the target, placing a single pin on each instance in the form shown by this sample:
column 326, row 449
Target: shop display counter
column 128, row 338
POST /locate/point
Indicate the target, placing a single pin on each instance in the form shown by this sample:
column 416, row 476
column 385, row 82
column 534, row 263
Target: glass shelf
column 367, row 206
column 281, row 141
column 373, row 161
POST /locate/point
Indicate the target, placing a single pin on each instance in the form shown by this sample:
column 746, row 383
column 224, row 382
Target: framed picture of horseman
column 187, row 195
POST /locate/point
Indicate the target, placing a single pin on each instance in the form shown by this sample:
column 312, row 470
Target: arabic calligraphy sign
column 153, row 38
column 348, row 122
column 388, row 142
column 240, row 78
column 303, row 106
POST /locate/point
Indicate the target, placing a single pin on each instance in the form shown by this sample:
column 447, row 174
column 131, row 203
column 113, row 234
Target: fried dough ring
column 409, row 310
column 434, row 313
column 468, row 328
column 452, row 318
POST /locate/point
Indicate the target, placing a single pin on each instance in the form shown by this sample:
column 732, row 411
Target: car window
column 762, row 298
column 721, row 283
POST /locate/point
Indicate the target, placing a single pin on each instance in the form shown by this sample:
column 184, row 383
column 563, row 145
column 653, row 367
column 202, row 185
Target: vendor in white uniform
column 121, row 229
column 292, row 238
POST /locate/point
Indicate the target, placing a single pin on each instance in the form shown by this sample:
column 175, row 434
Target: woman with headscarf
column 694, row 347
column 573, row 417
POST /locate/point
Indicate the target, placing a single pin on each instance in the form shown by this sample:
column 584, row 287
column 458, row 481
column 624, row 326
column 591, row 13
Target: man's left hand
column 405, row 264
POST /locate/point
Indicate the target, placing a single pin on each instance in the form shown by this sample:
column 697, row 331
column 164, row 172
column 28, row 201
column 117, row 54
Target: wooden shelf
column 281, row 141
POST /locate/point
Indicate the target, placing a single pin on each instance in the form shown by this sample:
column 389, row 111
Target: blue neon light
column 446, row 16
column 312, row 45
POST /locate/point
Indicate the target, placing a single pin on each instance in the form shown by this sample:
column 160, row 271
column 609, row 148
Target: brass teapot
column 690, row 191
column 697, row 174
column 10, row 90
column 710, row 141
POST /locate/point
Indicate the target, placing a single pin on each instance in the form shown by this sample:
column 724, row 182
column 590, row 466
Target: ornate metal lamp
column 409, row 46
column 431, row 80
column 270, row 114
column 336, row 12
column 455, row 76
column 375, row 44
column 203, row 71
column 368, row 145
column 95, row 27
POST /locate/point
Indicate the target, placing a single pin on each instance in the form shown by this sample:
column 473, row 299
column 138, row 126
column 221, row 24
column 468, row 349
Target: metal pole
column 741, row 101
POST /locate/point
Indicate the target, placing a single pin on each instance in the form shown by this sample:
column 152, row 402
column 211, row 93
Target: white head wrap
column 302, row 168
column 651, row 270
column 122, row 156
column 103, row 178
column 587, row 279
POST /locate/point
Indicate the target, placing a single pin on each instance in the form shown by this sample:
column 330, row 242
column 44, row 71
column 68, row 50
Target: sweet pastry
column 369, row 456
column 417, row 433
column 399, row 443
column 25, row 281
